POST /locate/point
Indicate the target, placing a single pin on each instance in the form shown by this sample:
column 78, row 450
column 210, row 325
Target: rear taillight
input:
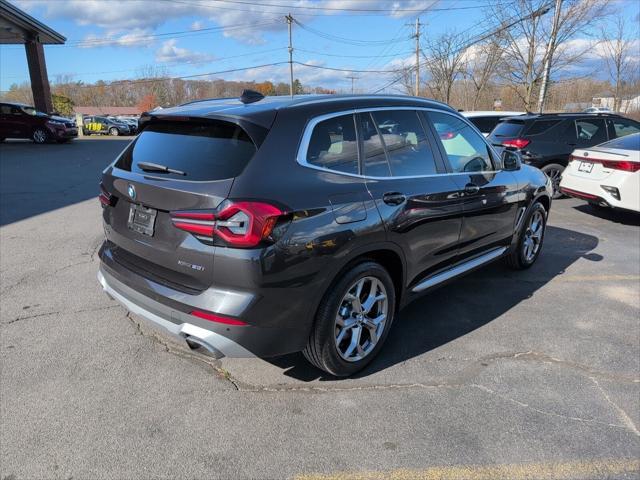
column 214, row 317
column 106, row 199
column 624, row 165
column 516, row 142
column 239, row 224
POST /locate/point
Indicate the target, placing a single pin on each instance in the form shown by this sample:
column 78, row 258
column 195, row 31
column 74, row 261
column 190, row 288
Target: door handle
column 471, row 189
column 393, row 198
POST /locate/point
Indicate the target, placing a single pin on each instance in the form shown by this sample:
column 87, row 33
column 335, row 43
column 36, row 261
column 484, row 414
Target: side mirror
column 511, row 160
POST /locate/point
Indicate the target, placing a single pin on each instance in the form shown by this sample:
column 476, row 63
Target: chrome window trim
column 301, row 157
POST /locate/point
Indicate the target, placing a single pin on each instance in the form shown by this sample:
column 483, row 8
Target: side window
column 466, row 149
column 541, row 126
column 374, row 159
column 405, row 141
column 624, row 127
column 591, row 131
column 5, row 109
column 333, row 145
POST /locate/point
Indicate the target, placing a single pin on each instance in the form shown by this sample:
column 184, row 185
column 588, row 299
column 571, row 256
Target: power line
column 541, row 11
column 313, row 52
column 351, row 70
column 351, row 41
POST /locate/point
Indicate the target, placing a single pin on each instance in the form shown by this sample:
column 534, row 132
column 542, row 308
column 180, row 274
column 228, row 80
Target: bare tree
column 444, row 59
column 481, row 62
column 526, row 43
column 616, row 49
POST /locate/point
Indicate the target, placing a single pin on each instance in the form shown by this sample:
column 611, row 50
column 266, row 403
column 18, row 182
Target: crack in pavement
column 180, row 352
column 47, row 314
column 619, row 411
column 548, row 413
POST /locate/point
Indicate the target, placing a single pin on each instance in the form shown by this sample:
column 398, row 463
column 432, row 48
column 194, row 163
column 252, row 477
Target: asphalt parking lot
column 502, row 374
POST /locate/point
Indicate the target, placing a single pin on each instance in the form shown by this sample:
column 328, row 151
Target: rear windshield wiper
column 154, row 167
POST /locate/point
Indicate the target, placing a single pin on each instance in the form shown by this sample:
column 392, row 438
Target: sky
column 123, row 39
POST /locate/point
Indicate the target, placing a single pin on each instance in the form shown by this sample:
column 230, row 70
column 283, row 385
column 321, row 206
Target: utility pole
column 417, row 36
column 289, row 22
column 352, row 80
column 547, row 61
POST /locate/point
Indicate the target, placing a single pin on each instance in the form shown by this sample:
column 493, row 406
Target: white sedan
column 607, row 174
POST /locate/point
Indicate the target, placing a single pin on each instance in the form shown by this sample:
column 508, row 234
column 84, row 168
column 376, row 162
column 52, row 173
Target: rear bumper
column 267, row 333
column 191, row 335
column 625, row 186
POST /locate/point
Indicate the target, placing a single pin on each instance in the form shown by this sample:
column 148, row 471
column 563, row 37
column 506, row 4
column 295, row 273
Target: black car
column 265, row 226
column 104, row 126
column 546, row 141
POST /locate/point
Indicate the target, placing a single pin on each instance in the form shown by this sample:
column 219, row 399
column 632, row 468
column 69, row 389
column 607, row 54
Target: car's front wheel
column 554, row 172
column 113, row 131
column 529, row 244
column 353, row 320
column 39, row 135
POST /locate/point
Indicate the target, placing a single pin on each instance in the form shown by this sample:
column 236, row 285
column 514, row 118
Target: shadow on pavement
column 463, row 305
column 36, row 179
column 618, row 216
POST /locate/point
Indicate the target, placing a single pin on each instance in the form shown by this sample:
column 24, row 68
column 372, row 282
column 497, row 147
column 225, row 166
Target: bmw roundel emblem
column 131, row 190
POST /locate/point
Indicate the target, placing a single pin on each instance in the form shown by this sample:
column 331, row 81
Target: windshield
column 32, row 111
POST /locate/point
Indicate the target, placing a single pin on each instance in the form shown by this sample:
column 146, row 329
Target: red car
column 22, row 121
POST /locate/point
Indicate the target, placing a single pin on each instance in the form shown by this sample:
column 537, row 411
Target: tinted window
column 591, row 132
column 374, row 157
column 333, row 145
column 508, row 129
column 485, row 124
column 207, row 151
column 541, row 126
column 5, row 109
column 408, row 150
column 624, row 127
column 465, row 148
column 628, row 142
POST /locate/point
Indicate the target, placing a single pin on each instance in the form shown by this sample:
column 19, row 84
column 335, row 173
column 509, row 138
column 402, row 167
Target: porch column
column 38, row 74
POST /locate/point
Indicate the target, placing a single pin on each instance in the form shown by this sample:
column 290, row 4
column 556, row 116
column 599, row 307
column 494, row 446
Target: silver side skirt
column 459, row 269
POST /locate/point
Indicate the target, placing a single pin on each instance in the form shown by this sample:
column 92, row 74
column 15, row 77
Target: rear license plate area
column 142, row 219
column 585, row 167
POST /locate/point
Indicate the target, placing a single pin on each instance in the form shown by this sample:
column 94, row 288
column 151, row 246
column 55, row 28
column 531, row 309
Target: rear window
column 485, row 124
column 203, row 151
column 541, row 126
column 628, row 142
column 508, row 129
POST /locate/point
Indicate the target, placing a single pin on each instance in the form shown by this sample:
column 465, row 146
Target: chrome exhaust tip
column 200, row 346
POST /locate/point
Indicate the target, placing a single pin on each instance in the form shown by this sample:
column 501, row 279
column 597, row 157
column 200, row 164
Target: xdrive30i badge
column 182, row 263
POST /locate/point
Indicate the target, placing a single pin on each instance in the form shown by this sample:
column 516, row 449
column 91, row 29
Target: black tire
column 321, row 349
column 40, row 136
column 554, row 172
column 113, row 131
column 517, row 258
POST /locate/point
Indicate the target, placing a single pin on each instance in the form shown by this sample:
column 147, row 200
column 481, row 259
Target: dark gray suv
column 266, row 226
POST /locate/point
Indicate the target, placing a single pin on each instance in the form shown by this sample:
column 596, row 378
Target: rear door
column 405, row 175
column 205, row 157
column 489, row 195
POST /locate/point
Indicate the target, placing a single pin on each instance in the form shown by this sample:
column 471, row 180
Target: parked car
column 273, row 225
column 486, row 121
column 104, row 126
column 22, row 121
column 131, row 122
column 597, row 110
column 606, row 175
column 546, row 141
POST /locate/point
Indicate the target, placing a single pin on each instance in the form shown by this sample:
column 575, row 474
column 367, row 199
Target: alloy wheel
column 533, row 236
column 39, row 136
column 361, row 319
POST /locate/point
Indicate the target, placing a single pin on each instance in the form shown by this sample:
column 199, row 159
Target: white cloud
column 145, row 15
column 135, row 38
column 169, row 52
